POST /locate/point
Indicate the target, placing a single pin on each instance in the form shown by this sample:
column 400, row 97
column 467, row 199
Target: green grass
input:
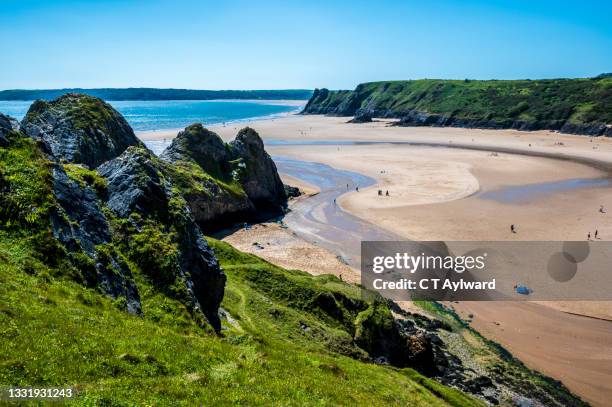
column 191, row 179
column 25, row 185
column 57, row 332
column 86, row 177
column 546, row 102
column 291, row 339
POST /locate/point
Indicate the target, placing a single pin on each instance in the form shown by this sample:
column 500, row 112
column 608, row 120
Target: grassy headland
column 570, row 105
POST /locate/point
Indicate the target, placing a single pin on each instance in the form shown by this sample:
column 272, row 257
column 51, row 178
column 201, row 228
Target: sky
column 296, row 44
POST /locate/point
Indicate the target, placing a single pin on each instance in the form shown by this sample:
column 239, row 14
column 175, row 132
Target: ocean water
column 176, row 114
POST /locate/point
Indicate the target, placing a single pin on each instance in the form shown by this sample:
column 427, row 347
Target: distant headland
column 157, row 94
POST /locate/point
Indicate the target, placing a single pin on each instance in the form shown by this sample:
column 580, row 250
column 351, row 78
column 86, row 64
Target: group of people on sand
column 602, row 209
column 595, row 235
column 380, row 193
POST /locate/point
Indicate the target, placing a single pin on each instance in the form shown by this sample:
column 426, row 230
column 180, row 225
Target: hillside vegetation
column 582, row 106
column 108, row 285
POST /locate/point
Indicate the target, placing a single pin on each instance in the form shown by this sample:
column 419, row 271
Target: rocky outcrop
column 382, row 337
column 225, row 183
column 79, row 129
column 80, row 225
column 138, row 183
column 292, row 192
column 7, row 125
column 362, row 117
column 135, row 184
column 257, row 172
column 203, row 147
column 206, row 179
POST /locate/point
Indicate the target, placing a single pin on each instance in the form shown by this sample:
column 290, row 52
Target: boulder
column 79, row 129
column 225, row 183
column 361, row 117
column 292, row 192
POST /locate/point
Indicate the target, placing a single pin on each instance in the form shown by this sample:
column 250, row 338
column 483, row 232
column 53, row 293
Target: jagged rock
column 204, row 147
column 207, row 277
column 134, row 183
column 259, row 176
column 138, row 182
column 225, row 183
column 80, row 225
column 212, row 202
column 7, row 124
column 79, row 129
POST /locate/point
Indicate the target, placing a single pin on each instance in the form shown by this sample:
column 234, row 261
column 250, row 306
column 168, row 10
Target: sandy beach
column 458, row 193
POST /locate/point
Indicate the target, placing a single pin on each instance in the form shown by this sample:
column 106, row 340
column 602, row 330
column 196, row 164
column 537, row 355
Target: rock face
column 257, row 172
column 418, row 118
column 79, row 129
column 225, row 183
column 7, row 124
column 137, row 183
column 80, row 225
column 202, row 146
column 379, row 333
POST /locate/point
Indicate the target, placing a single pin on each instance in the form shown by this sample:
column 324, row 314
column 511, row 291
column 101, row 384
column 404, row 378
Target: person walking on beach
column 512, row 228
column 596, row 233
column 357, row 189
column 347, row 187
column 387, row 194
column 589, row 236
column 602, row 209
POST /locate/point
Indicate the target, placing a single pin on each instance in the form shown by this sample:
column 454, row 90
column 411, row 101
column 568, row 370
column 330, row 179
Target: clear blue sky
column 296, row 44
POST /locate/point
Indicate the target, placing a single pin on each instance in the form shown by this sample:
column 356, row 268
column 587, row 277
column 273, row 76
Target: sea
column 177, row 114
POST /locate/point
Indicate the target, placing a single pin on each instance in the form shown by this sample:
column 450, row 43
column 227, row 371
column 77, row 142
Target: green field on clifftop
column 547, row 102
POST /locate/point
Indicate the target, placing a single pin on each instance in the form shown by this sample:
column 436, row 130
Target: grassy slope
column 54, row 331
column 580, row 101
column 82, row 339
column 291, row 342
